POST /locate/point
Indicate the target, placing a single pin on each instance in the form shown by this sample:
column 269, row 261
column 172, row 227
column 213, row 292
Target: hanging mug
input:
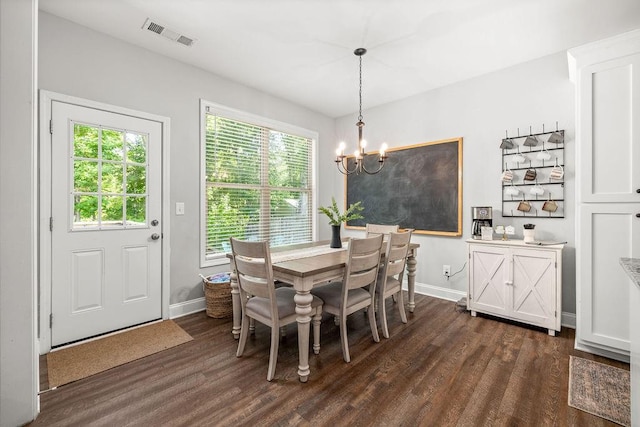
column 557, row 172
column 530, row 175
column 537, row 190
column 507, row 175
column 507, row 144
column 512, row 190
column 544, row 155
column 524, row 206
column 550, row 205
column 519, row 158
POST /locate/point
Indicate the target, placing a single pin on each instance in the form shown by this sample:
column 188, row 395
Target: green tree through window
column 258, row 183
column 110, row 177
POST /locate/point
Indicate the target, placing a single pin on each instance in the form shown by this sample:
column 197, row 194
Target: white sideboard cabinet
column 606, row 74
column 517, row 281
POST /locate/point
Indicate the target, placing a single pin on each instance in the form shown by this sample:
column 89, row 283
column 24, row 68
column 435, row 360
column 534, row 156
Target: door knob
column 154, row 222
column 155, row 236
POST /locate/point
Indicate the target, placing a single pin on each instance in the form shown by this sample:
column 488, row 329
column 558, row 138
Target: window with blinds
column 258, row 181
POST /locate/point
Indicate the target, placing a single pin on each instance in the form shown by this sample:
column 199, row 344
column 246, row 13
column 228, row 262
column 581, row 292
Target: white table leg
column 303, row 301
column 237, row 309
column 411, row 280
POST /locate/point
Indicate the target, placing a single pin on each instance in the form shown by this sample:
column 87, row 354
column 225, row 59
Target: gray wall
column 18, row 353
column 77, row 61
column 480, row 110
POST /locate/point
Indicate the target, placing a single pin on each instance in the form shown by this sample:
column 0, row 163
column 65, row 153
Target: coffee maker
column 480, row 217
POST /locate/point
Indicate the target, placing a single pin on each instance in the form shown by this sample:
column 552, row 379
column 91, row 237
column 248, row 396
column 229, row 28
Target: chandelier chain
column 360, row 93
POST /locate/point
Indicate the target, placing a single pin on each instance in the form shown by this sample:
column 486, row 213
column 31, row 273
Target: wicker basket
column 217, row 293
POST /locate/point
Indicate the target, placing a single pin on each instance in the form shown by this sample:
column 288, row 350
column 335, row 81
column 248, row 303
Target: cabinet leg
column 473, row 313
column 552, row 332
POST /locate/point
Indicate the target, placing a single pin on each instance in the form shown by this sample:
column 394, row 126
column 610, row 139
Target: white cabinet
column 516, row 281
column 607, row 78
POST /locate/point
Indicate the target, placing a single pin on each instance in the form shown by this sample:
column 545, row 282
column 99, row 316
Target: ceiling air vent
column 167, row 33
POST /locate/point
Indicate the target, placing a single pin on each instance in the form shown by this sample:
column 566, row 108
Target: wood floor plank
column 442, row 368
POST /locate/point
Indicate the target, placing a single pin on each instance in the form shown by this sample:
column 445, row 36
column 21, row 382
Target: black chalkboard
column 420, row 187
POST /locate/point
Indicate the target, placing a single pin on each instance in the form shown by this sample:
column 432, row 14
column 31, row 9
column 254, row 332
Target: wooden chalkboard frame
column 420, row 187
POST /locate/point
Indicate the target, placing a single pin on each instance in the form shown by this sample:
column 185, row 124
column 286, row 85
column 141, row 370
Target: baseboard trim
column 439, row 292
column 568, row 320
column 622, row 357
column 188, row 307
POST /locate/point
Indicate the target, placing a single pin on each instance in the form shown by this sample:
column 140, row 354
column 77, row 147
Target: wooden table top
column 314, row 264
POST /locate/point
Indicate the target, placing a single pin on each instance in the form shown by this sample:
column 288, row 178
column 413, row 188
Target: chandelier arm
column 376, row 171
column 343, row 167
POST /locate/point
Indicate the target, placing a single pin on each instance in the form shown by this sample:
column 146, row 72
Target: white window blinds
column 258, row 183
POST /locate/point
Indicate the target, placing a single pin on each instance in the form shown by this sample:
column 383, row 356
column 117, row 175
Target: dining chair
column 380, row 229
column 263, row 302
column 349, row 295
column 390, row 276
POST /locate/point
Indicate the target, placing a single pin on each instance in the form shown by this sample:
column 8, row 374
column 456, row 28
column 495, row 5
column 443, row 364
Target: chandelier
column 358, row 156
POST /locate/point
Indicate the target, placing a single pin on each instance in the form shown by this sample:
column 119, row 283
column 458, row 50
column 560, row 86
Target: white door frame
column 44, row 233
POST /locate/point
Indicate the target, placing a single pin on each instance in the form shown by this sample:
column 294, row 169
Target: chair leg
column 252, row 326
column 273, row 355
column 317, row 319
column 343, row 339
column 403, row 314
column 372, row 323
column 382, row 311
column 244, row 329
column 283, row 331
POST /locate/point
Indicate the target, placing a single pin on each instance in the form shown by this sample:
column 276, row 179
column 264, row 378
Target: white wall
column 480, row 110
column 18, row 353
column 75, row 60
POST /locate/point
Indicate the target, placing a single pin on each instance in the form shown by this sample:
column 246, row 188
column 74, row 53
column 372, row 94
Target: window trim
column 212, row 108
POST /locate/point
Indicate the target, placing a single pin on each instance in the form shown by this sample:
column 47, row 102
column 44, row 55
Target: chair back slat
column 253, row 268
column 363, row 261
column 372, row 229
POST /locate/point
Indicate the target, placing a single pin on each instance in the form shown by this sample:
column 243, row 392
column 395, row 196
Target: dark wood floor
column 442, row 368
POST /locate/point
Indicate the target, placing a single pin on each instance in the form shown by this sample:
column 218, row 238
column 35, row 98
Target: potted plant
column 336, row 218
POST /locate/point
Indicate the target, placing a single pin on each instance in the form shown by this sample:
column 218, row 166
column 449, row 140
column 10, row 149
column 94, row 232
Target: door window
column 109, row 189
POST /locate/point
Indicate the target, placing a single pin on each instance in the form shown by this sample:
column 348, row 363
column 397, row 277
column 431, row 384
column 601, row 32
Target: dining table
column 304, row 266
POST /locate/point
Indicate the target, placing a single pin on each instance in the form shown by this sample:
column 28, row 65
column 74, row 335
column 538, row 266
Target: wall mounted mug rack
column 533, row 175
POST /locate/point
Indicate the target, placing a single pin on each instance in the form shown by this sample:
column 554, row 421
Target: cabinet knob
column 638, row 215
column 638, row 190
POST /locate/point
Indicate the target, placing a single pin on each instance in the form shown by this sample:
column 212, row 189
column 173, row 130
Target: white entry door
column 106, row 231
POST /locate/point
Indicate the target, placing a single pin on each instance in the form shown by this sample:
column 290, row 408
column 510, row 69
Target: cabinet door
column 534, row 287
column 488, row 275
column 609, row 131
column 608, row 232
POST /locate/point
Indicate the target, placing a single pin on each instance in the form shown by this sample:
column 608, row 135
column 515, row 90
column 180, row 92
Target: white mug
column 519, row 158
column 537, row 190
column 544, row 155
column 512, row 191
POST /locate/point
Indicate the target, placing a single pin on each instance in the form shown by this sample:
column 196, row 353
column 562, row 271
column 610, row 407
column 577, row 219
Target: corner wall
column 18, row 353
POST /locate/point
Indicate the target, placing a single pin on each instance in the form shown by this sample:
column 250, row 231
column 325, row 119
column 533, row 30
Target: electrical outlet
column 446, row 270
